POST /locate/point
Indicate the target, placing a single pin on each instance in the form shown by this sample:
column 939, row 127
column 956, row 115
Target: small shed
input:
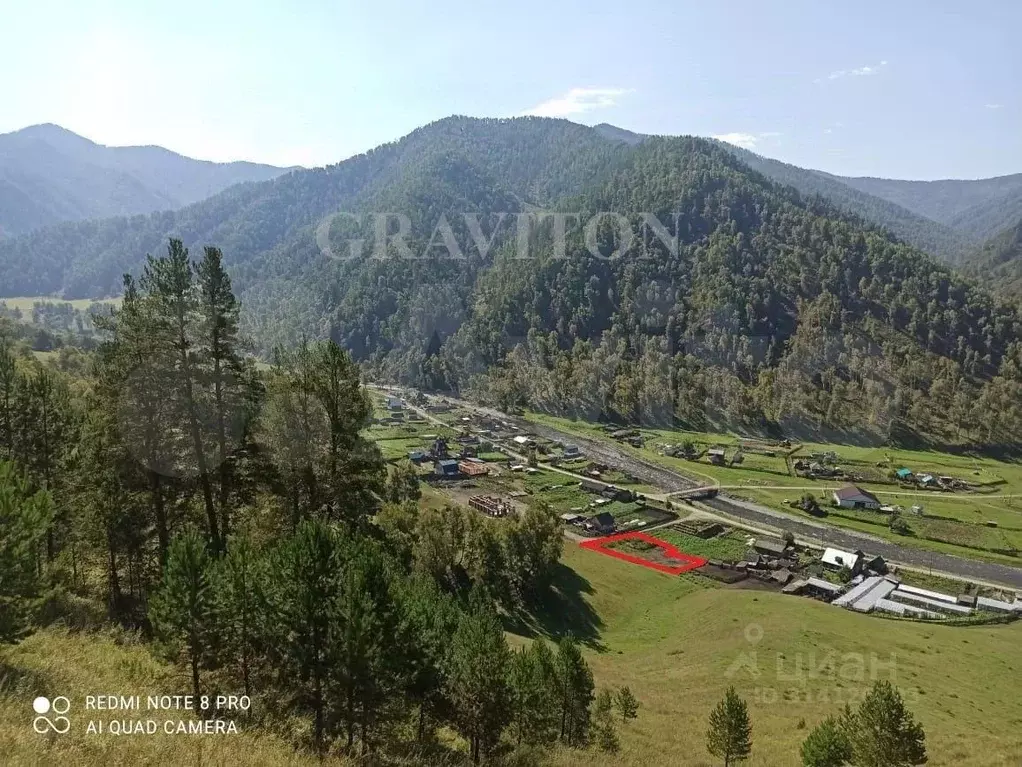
column 571, row 451
column 772, row 547
column 602, row 523
column 592, row 486
column 904, row 474
column 393, row 403
column 416, row 456
column 716, row 455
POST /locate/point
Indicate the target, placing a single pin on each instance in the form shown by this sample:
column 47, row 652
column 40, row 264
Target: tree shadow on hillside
column 562, row 610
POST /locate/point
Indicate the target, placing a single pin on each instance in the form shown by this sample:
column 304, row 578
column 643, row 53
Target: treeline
column 239, row 517
column 325, row 624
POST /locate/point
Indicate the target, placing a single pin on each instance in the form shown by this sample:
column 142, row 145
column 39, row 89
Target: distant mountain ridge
column 947, row 218
column 49, row 175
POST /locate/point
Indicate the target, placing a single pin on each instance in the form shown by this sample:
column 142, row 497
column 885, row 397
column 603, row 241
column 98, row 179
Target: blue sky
column 900, row 89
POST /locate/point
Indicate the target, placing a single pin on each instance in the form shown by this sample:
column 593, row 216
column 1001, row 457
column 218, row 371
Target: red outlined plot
column 686, row 562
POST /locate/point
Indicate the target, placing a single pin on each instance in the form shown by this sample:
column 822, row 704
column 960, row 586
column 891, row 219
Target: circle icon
column 41, row 705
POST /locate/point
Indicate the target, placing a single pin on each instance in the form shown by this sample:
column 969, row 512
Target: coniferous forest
column 240, row 521
column 195, row 466
column 752, row 308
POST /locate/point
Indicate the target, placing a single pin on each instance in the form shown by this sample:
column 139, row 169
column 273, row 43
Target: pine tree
column 182, row 610
column 604, row 729
column 627, row 705
column 575, row 692
column 238, row 581
column 883, row 732
column 24, row 519
column 533, row 685
column 169, row 283
column 301, row 620
column 366, row 664
column 354, row 471
column 232, row 393
column 8, row 376
column 403, row 483
column 730, row 734
column 477, row 678
column 827, row 745
column 430, row 618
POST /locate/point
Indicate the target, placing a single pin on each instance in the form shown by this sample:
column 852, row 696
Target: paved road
column 670, row 481
column 851, row 540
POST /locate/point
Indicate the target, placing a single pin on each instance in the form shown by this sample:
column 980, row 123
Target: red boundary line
column 600, row 545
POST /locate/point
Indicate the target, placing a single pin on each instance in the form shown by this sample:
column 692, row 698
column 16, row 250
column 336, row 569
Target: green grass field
column 676, row 644
column 730, row 547
column 25, row 303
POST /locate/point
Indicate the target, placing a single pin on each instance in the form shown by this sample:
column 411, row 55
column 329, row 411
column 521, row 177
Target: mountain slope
column 998, row 264
column 49, row 175
column 750, row 307
column 978, row 209
column 938, row 239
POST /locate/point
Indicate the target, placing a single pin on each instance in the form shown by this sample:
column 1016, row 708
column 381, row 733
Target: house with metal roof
column 837, row 559
column 446, row 468
column 852, row 497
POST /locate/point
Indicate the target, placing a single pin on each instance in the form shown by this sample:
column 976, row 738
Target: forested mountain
column 768, row 311
column 978, row 209
column 998, row 264
column 49, row 174
column 938, row 239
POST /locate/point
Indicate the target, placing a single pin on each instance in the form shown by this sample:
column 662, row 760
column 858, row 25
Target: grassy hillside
column 675, row 641
column 55, row 662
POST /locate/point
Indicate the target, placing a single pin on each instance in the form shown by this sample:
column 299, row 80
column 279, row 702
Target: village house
column 852, row 497
column 771, row 547
column 602, row 523
column 716, row 455
column 836, row 559
column 446, row 468
column 393, row 403
column 472, row 467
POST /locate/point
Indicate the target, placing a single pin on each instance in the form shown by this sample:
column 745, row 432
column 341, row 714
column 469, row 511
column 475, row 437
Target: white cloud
column 993, row 106
column 578, row 101
column 866, row 71
column 745, row 140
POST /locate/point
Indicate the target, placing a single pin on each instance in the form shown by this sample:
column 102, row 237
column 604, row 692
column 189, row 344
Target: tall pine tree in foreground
column 730, row 734
column 883, row 732
column 575, row 692
column 477, row 682
column 24, row 521
column 182, row 610
column 827, row 745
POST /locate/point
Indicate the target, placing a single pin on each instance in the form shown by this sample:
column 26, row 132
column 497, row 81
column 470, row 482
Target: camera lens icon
column 59, row 724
